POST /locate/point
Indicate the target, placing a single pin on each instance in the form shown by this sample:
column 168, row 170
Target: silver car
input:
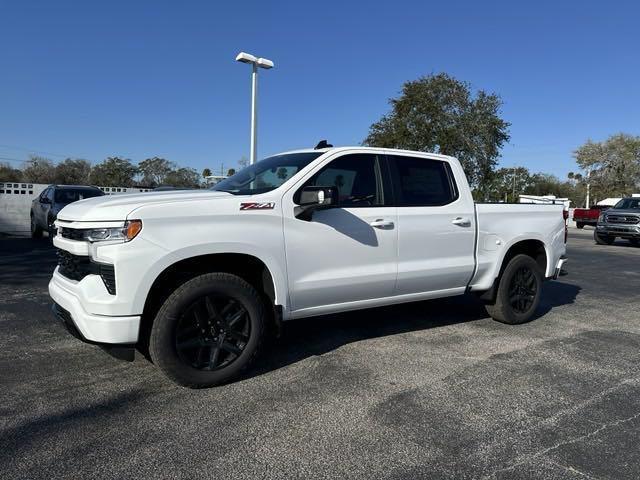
column 621, row 221
column 45, row 207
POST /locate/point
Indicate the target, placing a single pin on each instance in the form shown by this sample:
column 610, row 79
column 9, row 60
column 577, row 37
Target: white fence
column 16, row 198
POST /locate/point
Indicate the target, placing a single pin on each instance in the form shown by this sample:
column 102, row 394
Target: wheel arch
column 250, row 268
column 532, row 247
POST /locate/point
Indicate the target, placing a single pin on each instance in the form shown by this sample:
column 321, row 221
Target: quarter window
column 357, row 178
column 422, row 182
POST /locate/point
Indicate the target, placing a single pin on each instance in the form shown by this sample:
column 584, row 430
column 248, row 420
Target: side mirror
column 315, row 198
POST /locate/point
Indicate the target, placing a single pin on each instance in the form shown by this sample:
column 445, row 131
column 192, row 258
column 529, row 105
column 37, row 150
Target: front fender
column 272, row 263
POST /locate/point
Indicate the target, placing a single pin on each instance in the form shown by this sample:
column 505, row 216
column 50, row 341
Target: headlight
column 125, row 234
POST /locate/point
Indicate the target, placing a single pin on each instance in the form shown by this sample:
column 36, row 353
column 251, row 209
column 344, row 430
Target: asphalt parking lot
column 427, row 390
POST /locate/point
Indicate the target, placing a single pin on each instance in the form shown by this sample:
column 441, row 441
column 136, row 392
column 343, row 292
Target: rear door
column 436, row 225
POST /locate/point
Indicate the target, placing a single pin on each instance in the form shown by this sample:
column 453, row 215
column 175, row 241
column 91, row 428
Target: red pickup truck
column 588, row 216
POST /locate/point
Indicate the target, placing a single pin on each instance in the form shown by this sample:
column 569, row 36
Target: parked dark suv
column 45, row 208
column 623, row 221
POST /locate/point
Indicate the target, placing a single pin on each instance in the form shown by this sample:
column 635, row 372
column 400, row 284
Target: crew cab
column 196, row 279
column 588, row 216
column 622, row 221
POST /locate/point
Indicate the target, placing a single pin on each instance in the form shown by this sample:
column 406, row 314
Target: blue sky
column 154, row 78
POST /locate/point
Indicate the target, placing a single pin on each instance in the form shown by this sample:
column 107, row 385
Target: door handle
column 461, row 222
column 382, row 223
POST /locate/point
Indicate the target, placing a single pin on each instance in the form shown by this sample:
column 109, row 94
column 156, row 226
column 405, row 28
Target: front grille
column 76, row 267
column 623, row 219
column 71, row 233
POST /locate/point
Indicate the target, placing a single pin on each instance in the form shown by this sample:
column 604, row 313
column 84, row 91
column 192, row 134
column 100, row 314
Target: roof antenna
column 323, row 144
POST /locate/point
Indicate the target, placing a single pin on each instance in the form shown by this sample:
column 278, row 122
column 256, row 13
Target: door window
column 357, row 178
column 422, row 182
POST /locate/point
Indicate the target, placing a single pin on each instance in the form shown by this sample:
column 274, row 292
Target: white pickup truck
column 197, row 278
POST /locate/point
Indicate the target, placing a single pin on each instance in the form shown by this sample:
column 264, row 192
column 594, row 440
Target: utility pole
column 588, row 185
column 514, row 185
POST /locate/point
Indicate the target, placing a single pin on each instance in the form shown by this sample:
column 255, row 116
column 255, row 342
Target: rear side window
column 422, row 182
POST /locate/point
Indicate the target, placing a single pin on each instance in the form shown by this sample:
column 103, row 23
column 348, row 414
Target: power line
column 32, row 150
column 7, row 159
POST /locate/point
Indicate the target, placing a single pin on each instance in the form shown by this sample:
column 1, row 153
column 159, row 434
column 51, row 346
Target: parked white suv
column 198, row 277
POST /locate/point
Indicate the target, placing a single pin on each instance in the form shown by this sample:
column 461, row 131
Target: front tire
column 36, row 231
column 208, row 331
column 518, row 292
column 580, row 225
column 602, row 239
column 635, row 242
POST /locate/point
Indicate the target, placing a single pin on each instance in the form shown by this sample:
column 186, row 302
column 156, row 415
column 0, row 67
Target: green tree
column 39, row 170
column 282, row 173
column 438, row 113
column 614, row 165
column 231, row 172
column 9, row 174
column 73, row 172
column 507, row 184
column 155, row 170
column 183, row 177
column 114, row 171
column 243, row 162
column 206, row 172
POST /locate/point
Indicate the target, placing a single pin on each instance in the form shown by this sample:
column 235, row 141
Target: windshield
column 66, row 196
column 628, row 204
column 266, row 174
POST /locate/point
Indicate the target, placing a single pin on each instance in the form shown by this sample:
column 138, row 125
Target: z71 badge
column 257, row 206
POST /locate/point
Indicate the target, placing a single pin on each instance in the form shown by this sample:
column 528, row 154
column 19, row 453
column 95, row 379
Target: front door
column 344, row 254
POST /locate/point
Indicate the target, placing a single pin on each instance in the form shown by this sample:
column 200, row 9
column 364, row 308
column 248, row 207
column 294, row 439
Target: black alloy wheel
column 518, row 291
column 522, row 290
column 209, row 330
column 213, row 332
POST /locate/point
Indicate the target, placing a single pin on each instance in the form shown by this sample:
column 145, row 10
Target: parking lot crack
column 528, row 458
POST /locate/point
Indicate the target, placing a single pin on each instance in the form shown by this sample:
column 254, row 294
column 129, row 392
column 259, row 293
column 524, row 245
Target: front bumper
column 120, row 351
column 618, row 230
column 93, row 328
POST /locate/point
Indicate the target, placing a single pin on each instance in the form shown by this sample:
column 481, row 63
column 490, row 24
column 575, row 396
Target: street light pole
column 255, row 63
column 254, row 115
column 588, row 185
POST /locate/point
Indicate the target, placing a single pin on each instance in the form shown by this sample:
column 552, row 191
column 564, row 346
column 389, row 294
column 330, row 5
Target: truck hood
column 117, row 207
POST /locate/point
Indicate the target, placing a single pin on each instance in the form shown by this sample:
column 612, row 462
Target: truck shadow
column 318, row 335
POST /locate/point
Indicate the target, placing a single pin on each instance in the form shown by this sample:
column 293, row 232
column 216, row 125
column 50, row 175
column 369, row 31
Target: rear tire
column 603, row 239
column 635, row 242
column 36, row 231
column 518, row 292
column 208, row 331
column 580, row 225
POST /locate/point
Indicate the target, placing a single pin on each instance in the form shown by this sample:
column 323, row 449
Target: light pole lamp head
column 246, row 58
column 259, row 62
column 265, row 63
